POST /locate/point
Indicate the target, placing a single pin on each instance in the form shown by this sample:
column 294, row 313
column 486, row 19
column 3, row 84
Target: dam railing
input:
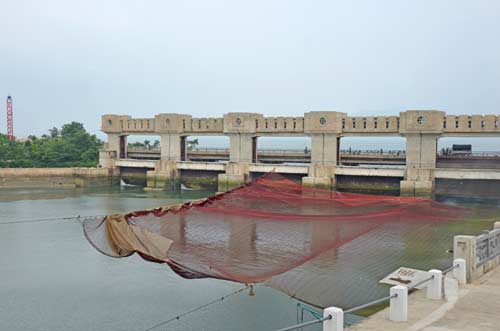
column 473, row 257
column 333, row 317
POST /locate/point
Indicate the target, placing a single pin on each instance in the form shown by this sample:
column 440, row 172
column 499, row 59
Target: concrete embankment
column 54, row 177
column 473, row 307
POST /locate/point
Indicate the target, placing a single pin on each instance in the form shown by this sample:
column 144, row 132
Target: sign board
column 406, row 277
column 487, row 246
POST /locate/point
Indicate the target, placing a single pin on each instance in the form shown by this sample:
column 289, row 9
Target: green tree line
column 69, row 146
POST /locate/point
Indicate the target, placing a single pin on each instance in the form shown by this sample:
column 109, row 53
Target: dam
column 419, row 170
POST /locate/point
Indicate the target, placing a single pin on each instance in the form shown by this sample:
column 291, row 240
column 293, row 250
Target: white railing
column 473, row 256
column 333, row 317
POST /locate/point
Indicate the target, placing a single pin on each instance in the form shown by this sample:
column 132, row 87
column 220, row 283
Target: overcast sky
column 68, row 61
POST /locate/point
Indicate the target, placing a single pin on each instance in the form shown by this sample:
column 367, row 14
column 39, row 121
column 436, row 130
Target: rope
column 178, row 317
column 78, row 218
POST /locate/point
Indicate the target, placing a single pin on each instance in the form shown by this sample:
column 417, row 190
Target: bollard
column 435, row 285
column 496, row 225
column 398, row 309
column 336, row 323
column 459, row 273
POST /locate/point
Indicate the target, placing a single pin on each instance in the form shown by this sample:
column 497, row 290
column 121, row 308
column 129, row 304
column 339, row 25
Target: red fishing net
column 298, row 239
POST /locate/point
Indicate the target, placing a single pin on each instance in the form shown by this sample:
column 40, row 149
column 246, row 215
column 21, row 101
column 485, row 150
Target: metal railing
column 370, row 304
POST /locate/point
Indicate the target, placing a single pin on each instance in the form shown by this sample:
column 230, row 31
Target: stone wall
column 54, row 177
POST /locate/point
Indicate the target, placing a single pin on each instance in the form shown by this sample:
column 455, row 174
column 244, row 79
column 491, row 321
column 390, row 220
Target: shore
column 54, row 177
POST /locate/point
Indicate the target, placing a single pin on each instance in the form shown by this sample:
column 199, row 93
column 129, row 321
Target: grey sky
column 67, row 60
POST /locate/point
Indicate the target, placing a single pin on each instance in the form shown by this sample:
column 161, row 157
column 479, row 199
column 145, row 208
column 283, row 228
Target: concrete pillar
column 324, row 128
column 324, row 159
column 237, row 174
column 324, row 149
column 241, row 129
column 421, row 128
column 398, row 306
column 170, row 146
column 114, row 143
column 165, row 175
column 460, row 272
column 421, row 152
column 464, row 247
column 241, row 147
column 115, row 148
column 336, row 323
column 435, row 285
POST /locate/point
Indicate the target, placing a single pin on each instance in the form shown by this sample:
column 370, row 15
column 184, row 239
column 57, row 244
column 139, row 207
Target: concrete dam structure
column 417, row 172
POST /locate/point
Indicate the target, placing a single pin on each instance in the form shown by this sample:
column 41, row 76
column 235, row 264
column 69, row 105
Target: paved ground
column 473, row 307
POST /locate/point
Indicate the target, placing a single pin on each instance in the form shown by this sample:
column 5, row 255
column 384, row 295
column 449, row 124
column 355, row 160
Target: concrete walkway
column 473, row 307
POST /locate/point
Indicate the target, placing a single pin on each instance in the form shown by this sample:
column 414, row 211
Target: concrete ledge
column 44, row 172
column 227, row 182
column 161, row 179
column 55, row 177
column 416, row 188
column 207, row 166
column 467, row 173
column 130, row 163
column 365, row 171
column 279, row 168
column 424, row 188
column 407, row 187
column 318, row 182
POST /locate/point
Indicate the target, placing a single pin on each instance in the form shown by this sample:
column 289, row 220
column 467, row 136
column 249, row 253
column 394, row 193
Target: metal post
column 398, row 308
column 435, row 287
column 460, row 273
column 336, row 323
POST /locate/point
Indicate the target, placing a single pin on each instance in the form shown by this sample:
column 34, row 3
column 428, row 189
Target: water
column 52, row 279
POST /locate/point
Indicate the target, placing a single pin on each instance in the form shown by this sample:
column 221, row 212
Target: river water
column 52, row 279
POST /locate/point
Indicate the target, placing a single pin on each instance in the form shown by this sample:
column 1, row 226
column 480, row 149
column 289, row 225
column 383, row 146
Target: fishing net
column 320, row 246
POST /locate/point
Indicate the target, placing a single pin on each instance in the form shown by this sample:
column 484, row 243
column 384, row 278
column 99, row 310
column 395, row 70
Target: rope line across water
column 78, row 218
column 178, row 317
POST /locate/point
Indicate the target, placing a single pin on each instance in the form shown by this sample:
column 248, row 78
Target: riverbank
column 55, row 177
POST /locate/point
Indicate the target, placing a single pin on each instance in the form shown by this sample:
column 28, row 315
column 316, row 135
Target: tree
column 54, row 132
column 71, row 129
column 72, row 146
column 192, row 144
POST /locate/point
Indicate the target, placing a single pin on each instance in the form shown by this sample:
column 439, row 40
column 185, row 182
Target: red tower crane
column 10, row 119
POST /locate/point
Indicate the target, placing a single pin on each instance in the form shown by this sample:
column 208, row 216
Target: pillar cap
column 110, row 123
column 421, row 121
column 323, row 122
column 239, row 122
column 172, row 123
